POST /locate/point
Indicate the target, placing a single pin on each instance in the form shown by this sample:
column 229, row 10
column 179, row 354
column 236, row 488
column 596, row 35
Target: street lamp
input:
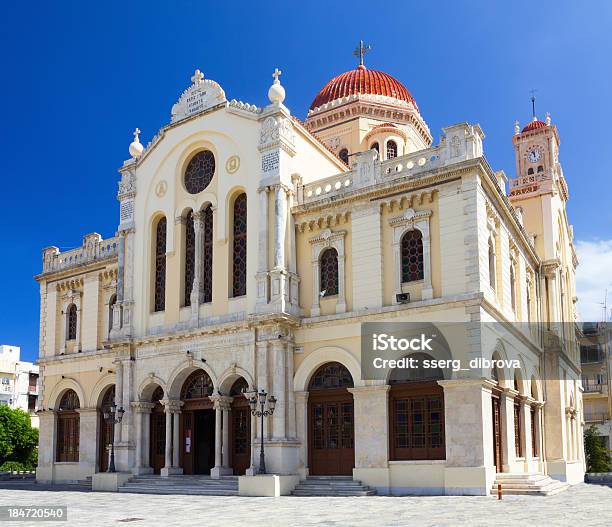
column 114, row 416
column 262, row 397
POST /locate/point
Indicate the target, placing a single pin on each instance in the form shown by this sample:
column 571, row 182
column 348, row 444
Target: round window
column 200, row 171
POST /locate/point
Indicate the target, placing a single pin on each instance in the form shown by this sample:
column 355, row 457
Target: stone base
column 171, row 471
column 139, row 471
column 571, row 472
column 217, row 472
column 109, row 481
column 268, row 485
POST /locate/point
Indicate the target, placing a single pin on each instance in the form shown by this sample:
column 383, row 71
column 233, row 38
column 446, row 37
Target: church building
column 250, row 249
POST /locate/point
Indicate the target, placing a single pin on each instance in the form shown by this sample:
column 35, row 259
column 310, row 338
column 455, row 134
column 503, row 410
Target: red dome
column 534, row 125
column 362, row 80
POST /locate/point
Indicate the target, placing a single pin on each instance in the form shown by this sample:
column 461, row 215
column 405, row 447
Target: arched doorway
column 240, row 430
column 157, row 432
column 416, row 413
column 106, row 429
column 197, row 430
column 331, row 434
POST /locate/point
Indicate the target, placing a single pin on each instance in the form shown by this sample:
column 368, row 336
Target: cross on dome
column 197, row 77
column 276, row 93
column 360, row 51
column 136, row 133
column 277, row 73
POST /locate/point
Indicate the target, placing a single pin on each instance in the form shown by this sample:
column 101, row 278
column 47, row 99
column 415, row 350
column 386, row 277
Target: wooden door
column 158, row 440
column 106, row 430
column 240, row 437
column 331, row 435
column 497, row 432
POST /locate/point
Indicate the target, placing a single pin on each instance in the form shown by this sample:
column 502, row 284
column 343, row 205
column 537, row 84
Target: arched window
column 197, row 386
column 68, row 428
column 160, row 266
column 199, row 172
column 530, row 172
column 411, row 249
column 417, row 414
column 344, row 155
column 111, row 305
column 71, row 316
column 189, row 258
column 540, row 169
column 391, row 149
column 239, row 259
column 329, row 272
column 330, row 376
column 207, row 257
column 512, row 288
column 491, row 263
column 375, row 146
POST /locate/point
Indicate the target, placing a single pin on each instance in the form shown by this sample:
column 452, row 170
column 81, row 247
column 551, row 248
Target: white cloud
column 593, row 276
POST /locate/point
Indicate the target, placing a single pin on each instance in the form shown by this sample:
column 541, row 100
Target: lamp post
column 261, row 398
column 114, row 416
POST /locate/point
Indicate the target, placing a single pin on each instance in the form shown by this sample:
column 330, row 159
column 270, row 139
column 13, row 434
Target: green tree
column 18, row 440
column 597, row 457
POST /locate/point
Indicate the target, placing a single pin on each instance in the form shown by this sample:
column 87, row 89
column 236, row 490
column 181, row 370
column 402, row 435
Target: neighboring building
column 18, row 382
column 596, row 363
column 251, row 247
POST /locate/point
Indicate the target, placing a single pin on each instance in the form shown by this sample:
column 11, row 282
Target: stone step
column 183, row 491
column 188, row 485
column 529, row 484
column 332, row 486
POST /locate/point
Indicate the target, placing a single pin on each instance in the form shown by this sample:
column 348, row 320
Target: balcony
column 596, row 417
column 596, row 388
column 94, row 248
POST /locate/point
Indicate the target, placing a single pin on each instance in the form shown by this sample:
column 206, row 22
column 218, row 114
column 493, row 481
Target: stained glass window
column 207, row 259
column 412, row 256
column 197, row 386
column 331, row 375
column 329, row 272
column 72, row 322
column 189, row 258
column 199, row 172
column 391, row 149
column 160, row 266
column 240, row 246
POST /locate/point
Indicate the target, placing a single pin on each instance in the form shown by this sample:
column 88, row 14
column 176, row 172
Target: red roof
column 362, row 81
column 534, row 125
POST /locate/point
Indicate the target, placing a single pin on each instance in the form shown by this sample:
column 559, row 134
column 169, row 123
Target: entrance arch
column 197, row 424
column 240, row 428
column 157, row 432
column 331, row 431
column 105, row 437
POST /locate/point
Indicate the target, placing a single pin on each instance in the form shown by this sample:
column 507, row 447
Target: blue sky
column 78, row 77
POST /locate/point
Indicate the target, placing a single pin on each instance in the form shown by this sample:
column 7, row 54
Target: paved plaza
column 579, row 506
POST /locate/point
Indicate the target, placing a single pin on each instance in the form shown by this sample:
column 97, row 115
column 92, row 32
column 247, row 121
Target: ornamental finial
column 547, row 119
column 517, row 127
column 197, row 77
column 136, row 148
column 276, row 93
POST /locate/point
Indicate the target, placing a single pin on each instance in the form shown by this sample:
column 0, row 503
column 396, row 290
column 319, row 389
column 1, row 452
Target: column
column 46, row 446
column 216, row 471
column 507, row 417
column 226, row 441
column 315, row 310
column 198, row 278
column 262, row 375
column 526, row 435
column 301, row 412
column 262, row 249
column 118, row 394
column 79, row 325
column 280, row 226
column 371, row 421
column 168, row 452
column 291, row 425
column 146, row 439
column 128, row 284
column 128, row 379
column 142, row 411
column 88, row 425
column 175, row 438
column 468, row 422
column 279, row 348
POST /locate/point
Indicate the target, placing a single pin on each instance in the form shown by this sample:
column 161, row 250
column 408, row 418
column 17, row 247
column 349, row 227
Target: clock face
column 534, row 155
